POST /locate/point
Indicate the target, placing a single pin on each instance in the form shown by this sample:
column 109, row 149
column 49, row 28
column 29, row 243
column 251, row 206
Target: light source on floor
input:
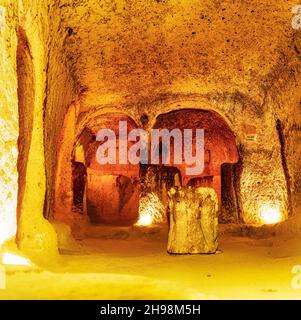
column 8, row 223
column 151, row 210
column 145, row 219
column 8, row 180
column 9, row 259
column 270, row 214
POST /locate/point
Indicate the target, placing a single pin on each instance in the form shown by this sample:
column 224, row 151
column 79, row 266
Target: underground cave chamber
column 137, row 194
column 124, row 194
column 63, row 88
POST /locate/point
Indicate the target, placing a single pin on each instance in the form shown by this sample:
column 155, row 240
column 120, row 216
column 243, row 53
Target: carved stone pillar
column 193, row 220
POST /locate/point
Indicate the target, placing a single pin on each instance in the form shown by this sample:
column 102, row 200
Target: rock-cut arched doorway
column 220, row 159
column 107, row 193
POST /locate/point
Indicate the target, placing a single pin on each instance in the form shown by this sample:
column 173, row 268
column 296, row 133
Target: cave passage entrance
column 221, row 160
column 110, row 193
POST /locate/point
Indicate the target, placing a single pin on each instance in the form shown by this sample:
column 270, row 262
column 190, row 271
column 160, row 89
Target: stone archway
column 220, row 147
column 111, row 192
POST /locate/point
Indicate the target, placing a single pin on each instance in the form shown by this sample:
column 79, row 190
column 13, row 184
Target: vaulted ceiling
column 135, row 50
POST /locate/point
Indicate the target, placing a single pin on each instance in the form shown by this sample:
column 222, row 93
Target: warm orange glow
column 151, row 210
column 270, row 214
column 145, row 219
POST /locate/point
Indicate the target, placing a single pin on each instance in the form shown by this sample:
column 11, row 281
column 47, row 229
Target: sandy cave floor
column 124, row 264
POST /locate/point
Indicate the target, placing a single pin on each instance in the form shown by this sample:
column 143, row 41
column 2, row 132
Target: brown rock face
column 219, row 145
column 112, row 199
column 193, row 220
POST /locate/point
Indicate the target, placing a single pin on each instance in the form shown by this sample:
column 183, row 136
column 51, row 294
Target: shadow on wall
column 26, row 101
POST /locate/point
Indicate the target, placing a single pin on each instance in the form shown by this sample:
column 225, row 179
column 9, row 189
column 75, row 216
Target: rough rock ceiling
column 138, row 49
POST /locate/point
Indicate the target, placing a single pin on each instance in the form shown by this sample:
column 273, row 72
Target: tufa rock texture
column 145, row 58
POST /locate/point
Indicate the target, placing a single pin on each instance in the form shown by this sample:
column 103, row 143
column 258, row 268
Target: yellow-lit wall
column 9, row 126
column 35, row 234
column 241, row 60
